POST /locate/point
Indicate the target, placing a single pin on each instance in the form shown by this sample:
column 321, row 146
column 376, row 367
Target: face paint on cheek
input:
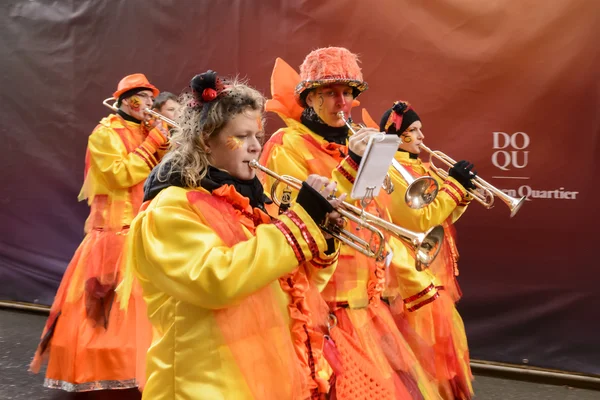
column 135, row 103
column 233, row 143
column 406, row 139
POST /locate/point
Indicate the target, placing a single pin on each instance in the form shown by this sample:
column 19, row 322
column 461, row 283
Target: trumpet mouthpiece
column 341, row 115
column 253, row 164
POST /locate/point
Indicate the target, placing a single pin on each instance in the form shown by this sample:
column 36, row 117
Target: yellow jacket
column 218, row 292
column 449, row 204
column 119, row 157
column 451, row 201
column 298, row 152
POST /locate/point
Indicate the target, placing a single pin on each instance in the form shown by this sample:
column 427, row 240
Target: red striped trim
column 312, row 244
column 420, row 294
column 291, row 240
column 451, row 194
column 151, row 158
column 140, row 155
column 451, row 184
column 423, row 303
column 346, row 174
column 320, row 263
column 351, row 162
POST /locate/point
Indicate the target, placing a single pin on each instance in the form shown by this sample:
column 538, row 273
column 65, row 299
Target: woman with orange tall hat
column 375, row 360
column 90, row 343
column 232, row 292
column 438, row 323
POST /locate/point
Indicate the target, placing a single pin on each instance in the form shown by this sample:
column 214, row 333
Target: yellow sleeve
column 321, row 268
column 416, row 288
column 179, row 254
column 451, row 200
column 116, row 167
column 288, row 161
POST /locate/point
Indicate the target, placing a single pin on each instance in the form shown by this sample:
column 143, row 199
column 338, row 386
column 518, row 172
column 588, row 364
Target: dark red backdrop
column 526, row 68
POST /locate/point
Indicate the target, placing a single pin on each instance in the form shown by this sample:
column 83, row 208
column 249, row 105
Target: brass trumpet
column 168, row 121
column 420, row 192
column 488, row 191
column 426, row 245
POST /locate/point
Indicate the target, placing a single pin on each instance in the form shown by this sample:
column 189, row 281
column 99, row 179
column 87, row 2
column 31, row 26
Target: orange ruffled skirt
column 385, row 352
column 441, row 342
column 88, row 341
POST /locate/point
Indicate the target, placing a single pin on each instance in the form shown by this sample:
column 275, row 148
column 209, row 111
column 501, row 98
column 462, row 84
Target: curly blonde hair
column 198, row 122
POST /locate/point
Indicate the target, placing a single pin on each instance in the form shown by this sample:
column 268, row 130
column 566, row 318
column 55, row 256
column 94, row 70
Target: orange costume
column 438, row 323
column 229, row 296
column 89, row 341
column 372, row 359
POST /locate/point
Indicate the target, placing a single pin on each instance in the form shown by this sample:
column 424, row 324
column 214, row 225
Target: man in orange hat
column 317, row 141
column 91, row 344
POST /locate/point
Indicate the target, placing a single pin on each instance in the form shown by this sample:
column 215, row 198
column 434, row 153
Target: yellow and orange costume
column 368, row 340
column 439, row 323
column 230, row 295
column 90, row 343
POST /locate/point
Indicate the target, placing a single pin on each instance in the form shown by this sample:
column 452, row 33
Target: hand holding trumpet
column 464, row 174
column 326, row 189
column 151, row 122
column 357, row 143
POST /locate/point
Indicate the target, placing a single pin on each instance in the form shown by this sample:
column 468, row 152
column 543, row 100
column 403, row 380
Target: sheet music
column 374, row 165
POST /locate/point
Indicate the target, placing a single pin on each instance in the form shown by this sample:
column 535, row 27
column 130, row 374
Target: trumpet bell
column 421, row 192
column 429, row 247
column 515, row 205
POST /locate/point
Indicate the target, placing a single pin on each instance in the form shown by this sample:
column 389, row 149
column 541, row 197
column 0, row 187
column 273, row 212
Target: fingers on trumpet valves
column 463, row 172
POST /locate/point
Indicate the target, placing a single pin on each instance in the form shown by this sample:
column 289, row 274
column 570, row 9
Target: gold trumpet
column 426, row 244
column 488, row 191
column 168, row 121
column 420, row 191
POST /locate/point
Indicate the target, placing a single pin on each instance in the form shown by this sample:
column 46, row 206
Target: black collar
column 215, row 178
column 311, row 120
column 128, row 117
column 412, row 156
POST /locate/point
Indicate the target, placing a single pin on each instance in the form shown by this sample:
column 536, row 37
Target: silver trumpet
column 426, row 244
column 107, row 102
column 488, row 191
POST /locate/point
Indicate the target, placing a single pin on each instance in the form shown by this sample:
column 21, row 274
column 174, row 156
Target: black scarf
column 128, row 117
column 312, row 121
column 412, row 156
column 252, row 188
column 214, row 179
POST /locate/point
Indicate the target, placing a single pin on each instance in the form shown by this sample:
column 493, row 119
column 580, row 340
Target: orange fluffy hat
column 329, row 65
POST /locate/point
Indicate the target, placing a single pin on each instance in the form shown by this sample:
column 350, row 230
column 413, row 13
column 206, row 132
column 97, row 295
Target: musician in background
column 447, row 339
column 230, row 290
column 166, row 104
column 89, row 341
column 375, row 357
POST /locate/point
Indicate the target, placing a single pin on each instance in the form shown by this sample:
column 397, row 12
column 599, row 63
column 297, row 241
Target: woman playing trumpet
column 375, row 357
column 89, row 341
column 229, row 289
column 446, row 341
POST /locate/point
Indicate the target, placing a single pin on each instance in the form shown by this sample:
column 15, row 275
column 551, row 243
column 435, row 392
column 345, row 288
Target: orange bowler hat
column 134, row 81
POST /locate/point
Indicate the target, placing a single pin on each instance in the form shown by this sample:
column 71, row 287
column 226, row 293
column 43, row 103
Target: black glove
column 462, row 172
column 313, row 203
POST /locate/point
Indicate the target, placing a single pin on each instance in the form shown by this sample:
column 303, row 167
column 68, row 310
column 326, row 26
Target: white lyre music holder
column 374, row 167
